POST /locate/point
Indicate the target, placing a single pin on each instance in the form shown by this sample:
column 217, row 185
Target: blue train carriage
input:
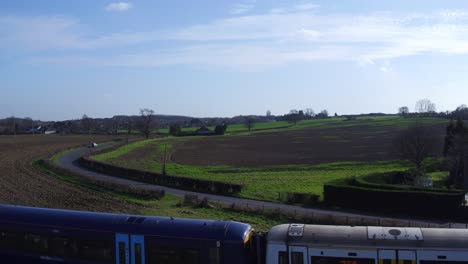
column 321, row 244
column 34, row 235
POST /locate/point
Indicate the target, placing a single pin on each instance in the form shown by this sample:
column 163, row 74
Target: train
column 39, row 235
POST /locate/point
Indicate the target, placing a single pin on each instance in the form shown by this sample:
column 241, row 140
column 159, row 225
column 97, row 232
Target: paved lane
column 69, row 161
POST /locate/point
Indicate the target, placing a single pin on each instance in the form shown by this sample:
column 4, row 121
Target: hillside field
column 299, row 158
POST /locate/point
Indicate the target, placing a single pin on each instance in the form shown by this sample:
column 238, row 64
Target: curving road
column 69, row 161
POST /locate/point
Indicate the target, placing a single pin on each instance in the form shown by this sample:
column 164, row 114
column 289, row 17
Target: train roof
column 327, row 235
column 134, row 224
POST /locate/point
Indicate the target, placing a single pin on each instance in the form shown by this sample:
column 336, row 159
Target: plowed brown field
column 23, row 184
column 307, row 146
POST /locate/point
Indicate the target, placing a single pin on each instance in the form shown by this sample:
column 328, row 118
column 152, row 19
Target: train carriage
column 322, row 244
column 33, row 235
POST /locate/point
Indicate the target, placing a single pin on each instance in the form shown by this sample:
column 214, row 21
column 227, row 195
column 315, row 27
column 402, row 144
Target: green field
column 266, row 182
column 172, row 206
column 333, row 122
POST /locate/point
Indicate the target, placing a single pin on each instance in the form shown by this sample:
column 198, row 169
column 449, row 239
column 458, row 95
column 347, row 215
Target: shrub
column 301, row 198
column 194, row 201
column 428, row 203
column 180, row 182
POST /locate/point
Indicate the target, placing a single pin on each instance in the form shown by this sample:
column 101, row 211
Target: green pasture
column 261, row 183
column 333, row 122
column 265, row 183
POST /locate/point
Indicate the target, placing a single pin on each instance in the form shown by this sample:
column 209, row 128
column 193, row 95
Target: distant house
column 205, row 131
column 37, row 130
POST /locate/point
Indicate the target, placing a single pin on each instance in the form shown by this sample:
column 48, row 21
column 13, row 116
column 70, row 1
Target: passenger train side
column 35, row 235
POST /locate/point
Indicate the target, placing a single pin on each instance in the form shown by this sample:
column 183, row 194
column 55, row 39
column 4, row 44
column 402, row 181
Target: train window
column 442, row 262
column 36, row 244
column 96, row 250
column 122, row 255
column 297, row 258
column 283, row 257
column 9, row 240
column 169, row 255
column 63, row 247
column 215, row 257
column 339, row 260
column 137, row 253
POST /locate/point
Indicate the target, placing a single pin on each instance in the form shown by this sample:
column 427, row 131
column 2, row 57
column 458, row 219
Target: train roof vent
column 296, row 230
column 140, row 220
column 393, row 233
column 131, row 219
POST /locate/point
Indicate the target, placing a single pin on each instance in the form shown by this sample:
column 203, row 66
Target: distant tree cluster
column 297, row 115
column 456, row 153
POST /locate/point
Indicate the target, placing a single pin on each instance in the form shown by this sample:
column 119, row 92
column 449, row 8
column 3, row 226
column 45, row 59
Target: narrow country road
column 69, row 161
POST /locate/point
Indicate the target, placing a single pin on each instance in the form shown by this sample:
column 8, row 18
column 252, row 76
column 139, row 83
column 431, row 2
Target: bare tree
column 146, row 116
column 425, row 106
column 322, row 114
column 415, row 144
column 249, row 122
column 129, row 125
column 31, row 124
column 268, row 113
column 456, row 153
column 86, row 123
column 461, row 107
column 403, row 111
column 12, row 125
column 309, row 112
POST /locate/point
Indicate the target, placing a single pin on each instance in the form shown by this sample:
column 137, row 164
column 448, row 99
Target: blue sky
column 62, row 59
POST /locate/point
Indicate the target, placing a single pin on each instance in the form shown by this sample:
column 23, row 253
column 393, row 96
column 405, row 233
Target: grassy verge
column 172, row 206
column 57, row 156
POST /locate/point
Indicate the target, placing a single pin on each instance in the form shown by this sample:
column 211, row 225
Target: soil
column 23, row 184
column 307, row 146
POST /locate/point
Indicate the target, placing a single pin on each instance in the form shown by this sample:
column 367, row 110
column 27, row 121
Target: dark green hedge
column 179, row 182
column 363, row 182
column 307, row 199
column 344, row 194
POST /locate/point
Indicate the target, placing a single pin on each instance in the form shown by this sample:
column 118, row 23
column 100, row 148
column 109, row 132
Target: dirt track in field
column 307, row 146
column 23, row 184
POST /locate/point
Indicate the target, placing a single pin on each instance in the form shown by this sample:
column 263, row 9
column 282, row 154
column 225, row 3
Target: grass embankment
column 57, row 156
column 265, row 183
column 172, row 206
column 334, row 122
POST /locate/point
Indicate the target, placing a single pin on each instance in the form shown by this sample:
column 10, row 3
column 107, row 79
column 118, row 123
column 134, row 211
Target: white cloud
column 306, row 6
column 241, row 8
column 261, row 40
column 119, row 6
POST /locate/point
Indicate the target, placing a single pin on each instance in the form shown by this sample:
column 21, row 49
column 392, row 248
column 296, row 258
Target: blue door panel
column 122, row 252
column 138, row 249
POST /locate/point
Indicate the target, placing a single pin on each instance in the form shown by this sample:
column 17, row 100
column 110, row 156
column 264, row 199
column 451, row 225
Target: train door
column 129, row 249
column 298, row 255
column 397, row 257
column 122, row 249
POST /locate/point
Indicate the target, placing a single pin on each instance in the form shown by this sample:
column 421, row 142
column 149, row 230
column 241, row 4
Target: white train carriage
column 322, row 244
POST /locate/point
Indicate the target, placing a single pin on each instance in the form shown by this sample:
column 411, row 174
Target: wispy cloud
column 306, row 6
column 241, row 8
column 119, row 6
column 259, row 41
